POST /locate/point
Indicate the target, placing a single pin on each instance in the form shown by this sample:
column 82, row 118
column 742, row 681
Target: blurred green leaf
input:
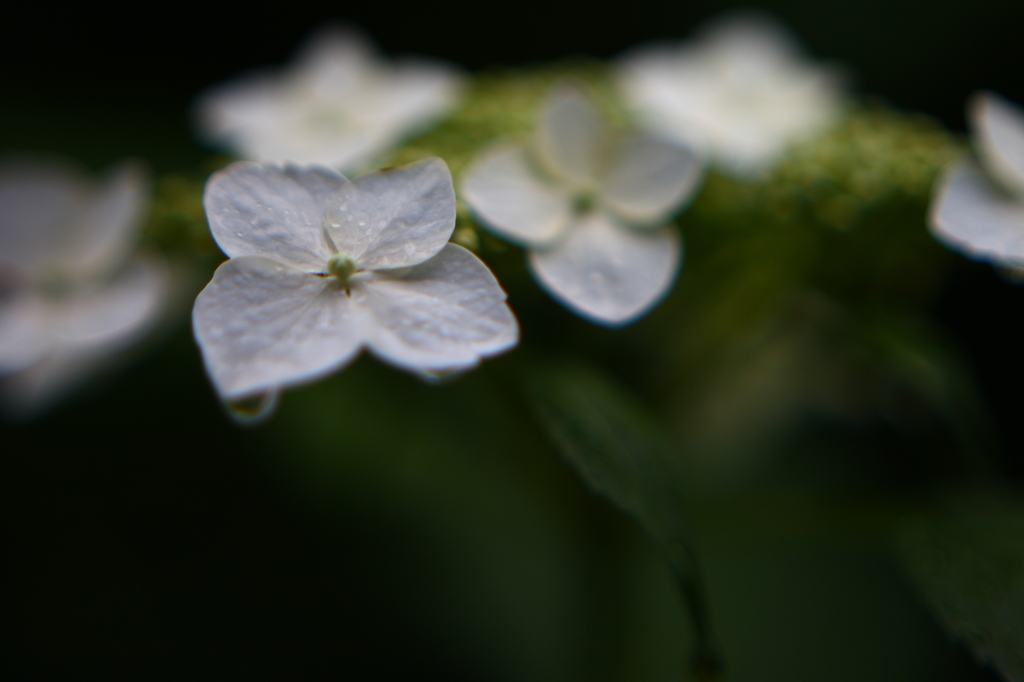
column 619, row 449
column 969, row 565
column 603, row 431
column 914, row 354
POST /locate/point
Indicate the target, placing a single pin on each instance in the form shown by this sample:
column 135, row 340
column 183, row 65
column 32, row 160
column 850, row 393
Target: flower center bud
column 341, row 266
column 584, row 202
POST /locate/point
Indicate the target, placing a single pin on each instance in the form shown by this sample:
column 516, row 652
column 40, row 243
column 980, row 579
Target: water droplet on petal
column 252, row 410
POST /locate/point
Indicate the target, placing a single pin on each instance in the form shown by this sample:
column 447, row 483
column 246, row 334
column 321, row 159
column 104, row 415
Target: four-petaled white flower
column 738, row 94
column 72, row 290
column 321, row 266
column 338, row 105
column 590, row 206
column 979, row 213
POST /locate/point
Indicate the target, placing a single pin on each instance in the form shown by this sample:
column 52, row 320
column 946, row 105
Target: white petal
column 262, row 326
column 650, row 180
column 99, row 321
column 512, row 200
column 26, row 335
column 412, row 94
column 570, row 135
column 333, row 61
column 225, row 112
column 40, row 197
column 740, row 93
column 607, row 273
column 104, row 235
column 77, row 336
column 96, row 322
column 396, row 217
column 248, row 113
column 337, row 105
column 750, row 38
column 273, row 212
column 442, row 315
column 998, row 127
column 55, row 217
column 971, row 215
column 115, row 315
column 294, row 140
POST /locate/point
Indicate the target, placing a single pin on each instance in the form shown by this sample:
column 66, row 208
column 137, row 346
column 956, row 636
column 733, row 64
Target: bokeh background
column 356, row 536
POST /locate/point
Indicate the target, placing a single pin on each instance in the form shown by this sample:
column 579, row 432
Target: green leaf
column 969, row 565
column 914, row 354
column 608, row 436
column 618, row 448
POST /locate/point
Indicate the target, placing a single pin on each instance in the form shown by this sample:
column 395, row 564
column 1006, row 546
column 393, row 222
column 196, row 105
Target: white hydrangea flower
column 72, row 291
column 590, row 206
column 321, row 266
column 739, row 93
column 979, row 210
column 338, row 105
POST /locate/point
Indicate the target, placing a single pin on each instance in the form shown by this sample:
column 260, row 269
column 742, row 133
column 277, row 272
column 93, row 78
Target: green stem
column 706, row 663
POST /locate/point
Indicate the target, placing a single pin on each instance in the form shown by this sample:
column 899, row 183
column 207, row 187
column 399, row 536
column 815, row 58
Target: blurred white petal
column 506, row 193
column 295, row 140
column 442, row 315
column 570, row 137
column 751, row 41
column 650, row 180
column 738, row 93
column 973, row 216
column 40, row 199
column 106, row 232
column 269, row 211
column 86, row 334
column 334, row 59
column 262, row 326
column 420, row 91
column 394, row 218
column 70, row 299
column 998, row 127
column 115, row 315
column 607, row 273
column 26, row 336
column 227, row 111
column 337, row 105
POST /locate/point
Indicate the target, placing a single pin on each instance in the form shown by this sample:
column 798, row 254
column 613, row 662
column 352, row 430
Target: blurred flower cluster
column 73, row 289
column 430, row 217
column 339, row 105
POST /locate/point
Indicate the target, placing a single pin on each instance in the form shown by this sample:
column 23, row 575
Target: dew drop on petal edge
column 252, row 410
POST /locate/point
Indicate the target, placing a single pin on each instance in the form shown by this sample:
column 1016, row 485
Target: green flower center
column 584, row 202
column 341, row 266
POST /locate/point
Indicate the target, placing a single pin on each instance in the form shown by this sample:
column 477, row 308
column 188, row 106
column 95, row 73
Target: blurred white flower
column 321, row 267
column 72, row 290
column 981, row 212
column 590, row 206
column 338, row 105
column 739, row 93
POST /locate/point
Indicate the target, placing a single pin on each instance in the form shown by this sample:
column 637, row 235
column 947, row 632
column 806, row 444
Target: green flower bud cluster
column 874, row 156
column 177, row 221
